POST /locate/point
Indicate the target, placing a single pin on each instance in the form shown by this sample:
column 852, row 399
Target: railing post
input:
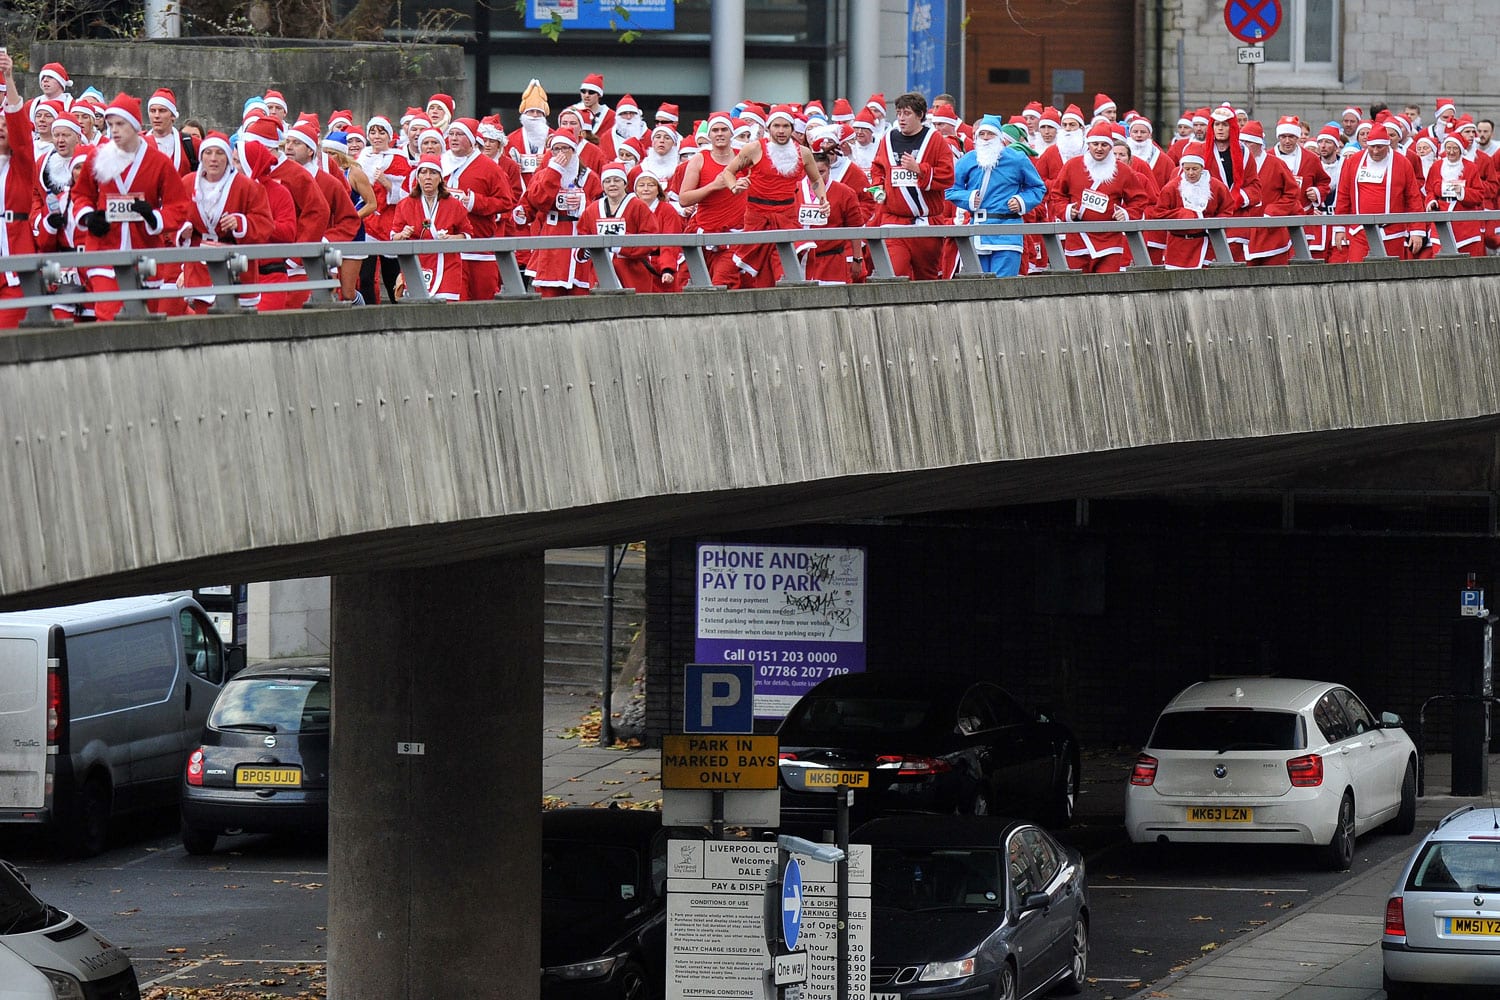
column 34, row 282
column 970, row 266
column 604, row 270
column 1447, row 242
column 880, row 258
column 1373, row 238
column 512, row 281
column 1140, row 253
column 1057, row 254
column 318, row 267
column 132, row 278
column 699, row 278
column 416, row 281
column 792, row 273
column 1223, row 256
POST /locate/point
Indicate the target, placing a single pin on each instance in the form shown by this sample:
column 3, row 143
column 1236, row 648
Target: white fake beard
column 1140, row 150
column 1427, row 162
column 627, row 130
column 569, row 172
column 863, row 156
column 1101, row 173
column 785, row 157
column 1195, row 195
column 110, row 162
column 1453, row 171
column 535, row 131
column 1070, row 144
column 987, row 152
column 661, row 167
column 59, row 171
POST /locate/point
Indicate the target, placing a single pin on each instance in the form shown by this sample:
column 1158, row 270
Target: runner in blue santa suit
column 997, row 184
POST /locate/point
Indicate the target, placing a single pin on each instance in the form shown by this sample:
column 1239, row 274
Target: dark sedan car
column 263, row 763
column 931, row 742
column 973, row 906
column 604, row 903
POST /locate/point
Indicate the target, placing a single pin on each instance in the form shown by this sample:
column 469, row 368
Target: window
column 1042, row 854
column 973, row 714
column 1022, row 879
column 1308, row 39
column 1359, row 716
column 200, row 648
column 1222, row 730
column 1329, row 716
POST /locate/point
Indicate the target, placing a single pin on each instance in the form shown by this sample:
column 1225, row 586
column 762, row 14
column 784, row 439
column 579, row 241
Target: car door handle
column 188, row 700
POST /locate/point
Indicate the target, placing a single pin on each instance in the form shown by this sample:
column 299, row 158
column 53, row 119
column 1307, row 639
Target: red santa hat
column 1193, row 153
column 446, row 100
column 491, row 128
column 379, row 121
column 67, row 121
column 1331, row 132
column 1445, row 104
column 430, row 133
column 593, row 82
column 1464, row 122
column 632, row 149
column 1032, row 110
column 1102, row 103
column 467, row 127
column 668, row 113
column 55, row 71
column 615, row 169
column 310, row 117
column 1141, row 120
column 944, row 114
column 843, row 111
column 1223, row 113
column 163, row 98
column 81, row 156
column 784, row 111
column 876, row 103
column 865, row 119
column 1288, row 125
column 1373, row 136
column 1186, row 119
column 814, row 109
column 356, row 130
column 626, row 103
column 305, row 133
column 340, row 120
column 754, row 113
column 1202, row 116
column 1351, row 110
column 1253, row 131
column 664, row 129
column 720, row 118
column 54, row 106
column 566, row 136
column 1050, row 116
column 534, row 98
column 1073, row 112
column 273, row 98
column 264, row 130
column 125, row 108
column 430, row 161
column 1101, row 131
column 1458, row 137
column 687, row 144
column 215, row 140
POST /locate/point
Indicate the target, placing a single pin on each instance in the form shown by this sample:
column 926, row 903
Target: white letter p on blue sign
column 718, row 698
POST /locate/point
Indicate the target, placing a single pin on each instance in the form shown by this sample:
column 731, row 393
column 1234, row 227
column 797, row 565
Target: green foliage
column 618, row 22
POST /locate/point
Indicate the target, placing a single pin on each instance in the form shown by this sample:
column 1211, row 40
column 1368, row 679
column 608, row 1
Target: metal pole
column 841, row 957
column 864, row 50
column 606, row 725
column 726, row 53
column 718, row 814
column 1250, row 90
column 1181, row 82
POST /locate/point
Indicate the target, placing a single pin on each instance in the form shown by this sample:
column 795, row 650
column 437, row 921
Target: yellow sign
column 821, row 778
column 724, row 763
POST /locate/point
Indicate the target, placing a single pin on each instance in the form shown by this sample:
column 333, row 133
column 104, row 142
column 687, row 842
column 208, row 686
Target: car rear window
column 921, row 878
column 590, row 873
column 1235, row 729
column 831, row 715
column 1458, row 866
column 290, row 704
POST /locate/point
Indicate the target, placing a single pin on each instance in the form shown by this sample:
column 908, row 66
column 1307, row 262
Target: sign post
column 1252, row 22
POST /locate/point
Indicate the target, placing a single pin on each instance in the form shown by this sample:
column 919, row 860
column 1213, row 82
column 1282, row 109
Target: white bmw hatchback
column 1259, row 760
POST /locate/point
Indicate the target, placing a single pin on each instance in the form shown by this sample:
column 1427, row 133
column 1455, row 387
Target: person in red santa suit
column 492, row 143
column 829, row 262
column 628, row 123
column 1229, row 162
column 1068, row 144
column 913, row 170
column 1378, row 182
column 1280, row 196
column 275, row 105
column 591, row 100
column 1192, row 194
column 313, row 210
column 617, row 212
column 440, row 109
column 482, row 188
column 1309, row 177
column 387, row 170
column 255, row 160
column 555, row 200
column 18, row 182
column 305, row 149
column 431, row 213
column 126, row 197
column 658, row 271
column 1456, row 184
column 776, row 164
column 52, row 85
column 227, row 208
column 1096, row 187
column 161, row 108
column 713, row 202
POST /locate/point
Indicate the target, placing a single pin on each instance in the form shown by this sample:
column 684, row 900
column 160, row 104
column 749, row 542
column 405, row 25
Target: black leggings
column 390, row 269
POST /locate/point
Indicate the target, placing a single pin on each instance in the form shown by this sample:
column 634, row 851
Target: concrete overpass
column 425, row 457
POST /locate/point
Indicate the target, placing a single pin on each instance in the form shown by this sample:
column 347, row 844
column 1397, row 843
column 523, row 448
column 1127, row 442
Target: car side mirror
column 235, row 661
column 1044, row 713
column 1390, row 720
column 1035, row 901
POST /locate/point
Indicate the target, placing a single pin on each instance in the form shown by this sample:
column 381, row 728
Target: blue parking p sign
column 719, row 698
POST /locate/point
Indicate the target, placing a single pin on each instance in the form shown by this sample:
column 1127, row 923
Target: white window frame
column 1297, row 68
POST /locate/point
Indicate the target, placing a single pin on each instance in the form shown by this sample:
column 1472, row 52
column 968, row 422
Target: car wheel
column 1338, row 853
column 90, row 831
column 633, row 983
column 197, row 840
column 1395, row 989
column 1065, row 794
column 1078, row 969
column 1406, row 817
column 1005, row 986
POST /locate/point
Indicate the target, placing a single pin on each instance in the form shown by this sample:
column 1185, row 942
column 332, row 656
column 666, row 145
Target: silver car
column 1442, row 921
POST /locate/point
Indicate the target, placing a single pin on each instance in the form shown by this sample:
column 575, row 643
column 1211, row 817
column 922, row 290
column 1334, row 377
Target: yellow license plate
column 1220, row 814
column 1477, row 926
column 819, row 778
column 268, row 777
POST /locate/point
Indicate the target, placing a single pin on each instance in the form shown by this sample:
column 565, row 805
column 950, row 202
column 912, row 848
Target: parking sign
column 718, row 698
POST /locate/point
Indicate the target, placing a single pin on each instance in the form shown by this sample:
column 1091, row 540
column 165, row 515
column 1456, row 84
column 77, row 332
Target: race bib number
column 569, row 201
column 811, row 215
column 529, row 163
column 117, row 208
column 1368, row 175
column 1093, row 201
column 427, row 278
column 610, row 227
column 1453, row 190
column 901, row 177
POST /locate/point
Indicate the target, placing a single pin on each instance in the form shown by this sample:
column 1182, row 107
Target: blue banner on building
column 604, row 15
column 927, row 48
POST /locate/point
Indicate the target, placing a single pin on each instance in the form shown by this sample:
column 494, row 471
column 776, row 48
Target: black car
column 973, row 906
column 604, row 903
column 931, row 742
column 263, row 763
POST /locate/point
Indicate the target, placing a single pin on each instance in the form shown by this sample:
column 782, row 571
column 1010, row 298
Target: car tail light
column 195, row 767
column 54, row 707
column 1145, row 770
column 786, row 755
column 1395, row 917
column 912, row 767
column 1305, row 772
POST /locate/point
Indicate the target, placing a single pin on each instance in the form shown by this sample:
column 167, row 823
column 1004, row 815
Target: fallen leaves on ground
column 1211, row 946
column 587, row 733
column 1200, row 918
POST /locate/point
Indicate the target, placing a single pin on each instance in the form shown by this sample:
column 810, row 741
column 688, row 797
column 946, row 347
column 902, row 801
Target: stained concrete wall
column 289, row 618
column 212, row 77
column 314, row 442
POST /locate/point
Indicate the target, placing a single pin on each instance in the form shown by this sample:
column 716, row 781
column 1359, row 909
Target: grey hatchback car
column 262, row 766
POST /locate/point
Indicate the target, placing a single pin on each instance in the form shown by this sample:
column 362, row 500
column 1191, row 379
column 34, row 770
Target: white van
column 99, row 705
column 46, row 953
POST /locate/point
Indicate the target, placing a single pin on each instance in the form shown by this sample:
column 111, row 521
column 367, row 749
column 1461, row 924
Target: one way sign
column 791, row 904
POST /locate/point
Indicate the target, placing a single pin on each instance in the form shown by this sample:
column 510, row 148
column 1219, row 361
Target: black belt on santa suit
column 769, row 203
column 13, row 216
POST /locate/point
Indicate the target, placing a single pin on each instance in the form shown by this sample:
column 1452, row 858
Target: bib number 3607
column 1093, row 201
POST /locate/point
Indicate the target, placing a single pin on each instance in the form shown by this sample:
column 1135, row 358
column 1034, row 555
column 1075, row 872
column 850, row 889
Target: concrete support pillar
column 726, row 54
column 864, row 51
column 288, row 618
column 434, row 859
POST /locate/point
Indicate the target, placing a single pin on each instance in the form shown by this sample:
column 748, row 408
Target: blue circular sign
column 791, row 903
column 1252, row 21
